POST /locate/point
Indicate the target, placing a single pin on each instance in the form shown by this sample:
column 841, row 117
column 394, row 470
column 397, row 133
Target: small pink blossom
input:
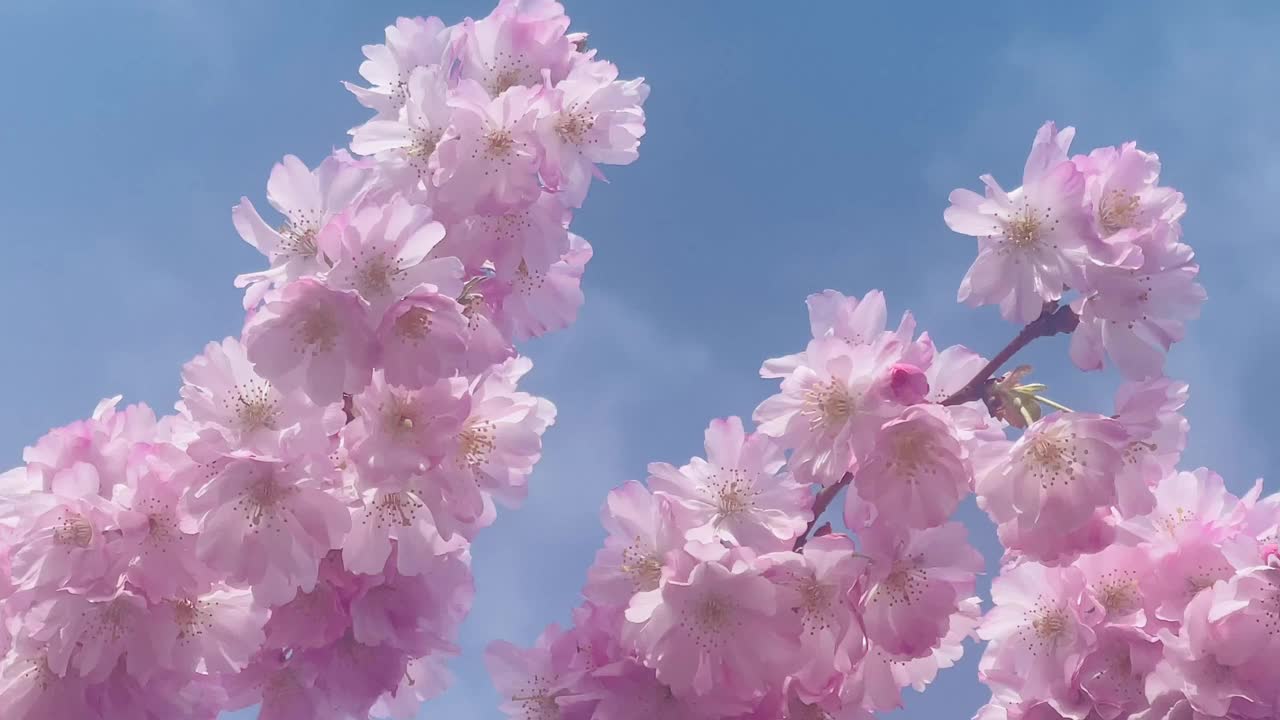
column 515, row 45
column 488, row 160
column 311, row 337
column 916, row 581
column 737, row 494
column 642, row 533
column 266, row 525
column 720, row 631
column 411, row 43
column 423, row 338
column 534, row 302
column 918, row 471
column 1033, row 240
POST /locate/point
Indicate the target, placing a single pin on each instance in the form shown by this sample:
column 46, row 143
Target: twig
column 820, row 504
column 1052, row 321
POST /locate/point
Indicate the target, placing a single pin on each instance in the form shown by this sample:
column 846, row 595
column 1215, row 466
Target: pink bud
column 907, row 384
column 1271, row 554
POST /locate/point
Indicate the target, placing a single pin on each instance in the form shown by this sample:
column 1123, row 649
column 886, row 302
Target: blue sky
column 789, row 150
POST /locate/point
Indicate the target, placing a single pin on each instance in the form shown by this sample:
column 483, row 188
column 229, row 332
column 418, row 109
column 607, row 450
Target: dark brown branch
column 1052, row 321
column 820, row 505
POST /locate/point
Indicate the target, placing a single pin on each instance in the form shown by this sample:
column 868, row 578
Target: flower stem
column 820, row 504
column 1054, row 319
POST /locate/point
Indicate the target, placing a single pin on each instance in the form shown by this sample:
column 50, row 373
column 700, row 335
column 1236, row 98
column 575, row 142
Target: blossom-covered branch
column 297, row 534
column 1128, row 588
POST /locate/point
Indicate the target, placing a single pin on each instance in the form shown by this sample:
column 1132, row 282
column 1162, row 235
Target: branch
column 820, row 506
column 1053, row 320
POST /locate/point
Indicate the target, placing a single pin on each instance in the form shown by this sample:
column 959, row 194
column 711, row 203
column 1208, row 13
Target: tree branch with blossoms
column 297, row 535
column 1128, row 588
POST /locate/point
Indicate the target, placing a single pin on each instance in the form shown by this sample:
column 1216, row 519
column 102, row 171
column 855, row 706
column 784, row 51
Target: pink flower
column 29, row 688
column 856, row 322
column 631, row 691
column 831, row 407
column 407, row 142
column 879, row 678
column 642, row 533
column 411, row 43
column 417, row 614
column 918, row 471
column 1032, row 241
column 265, row 524
column 536, row 682
column 383, row 255
column 514, row 45
column 398, row 432
column 405, row 517
column 314, row 204
column 88, row 637
column 222, row 389
column 1188, row 505
column 63, row 544
column 216, row 632
column 535, row 302
column 1058, row 473
column 500, row 440
column 1046, row 543
column 1037, row 630
column 535, row 236
column 423, row 338
column 1157, row 434
column 488, row 161
column 915, row 583
column 721, row 631
column 424, row 679
column 738, row 494
column 1116, row 578
column 1122, row 192
column 590, row 117
column 1114, row 674
column 1136, row 314
column 311, row 337
column 1183, row 572
column 60, row 461
column 817, row 585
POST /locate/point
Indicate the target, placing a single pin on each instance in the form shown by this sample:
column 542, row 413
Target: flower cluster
column 1099, row 224
column 297, row 534
column 1128, row 588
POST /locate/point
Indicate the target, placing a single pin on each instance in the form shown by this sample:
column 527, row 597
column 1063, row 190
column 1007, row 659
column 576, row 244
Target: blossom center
column 298, row 239
column 828, row 405
column 1117, row 211
column 398, row 508
column 642, row 566
column 1054, row 461
column 191, row 618
column 1050, row 625
column 253, row 406
column 499, row 142
column 75, row 530
column 414, row 324
column 1023, row 229
column 573, row 125
column 476, row 443
column 375, row 275
column 317, row 330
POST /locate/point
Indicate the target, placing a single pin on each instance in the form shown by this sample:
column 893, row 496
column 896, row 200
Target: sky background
column 789, row 151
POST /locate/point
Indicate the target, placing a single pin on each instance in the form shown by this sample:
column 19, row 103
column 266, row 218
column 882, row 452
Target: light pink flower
column 642, row 532
column 916, row 581
column 1038, row 632
column 536, row 682
column 536, row 302
column 500, row 439
column 737, row 494
column 383, row 255
column 1122, row 192
column 403, row 516
column 157, row 541
column 423, row 338
column 216, row 632
column 1033, row 240
column 424, row 679
column 830, row 408
column 1188, row 505
column 590, row 118
column 1136, row 314
column 417, row 614
column 856, row 322
column 488, row 161
column 399, row 432
column 1058, row 473
column 918, row 471
column 1113, row 676
column 411, row 43
column 721, row 631
column 514, row 45
column 407, row 143
column 1157, row 434
column 1183, row 572
column 88, row 637
column 535, row 236
column 59, row 460
column 817, row 585
column 311, row 337
column 221, row 389
column 1116, row 578
column 314, row 204
column 265, row 524
column 1046, row 542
